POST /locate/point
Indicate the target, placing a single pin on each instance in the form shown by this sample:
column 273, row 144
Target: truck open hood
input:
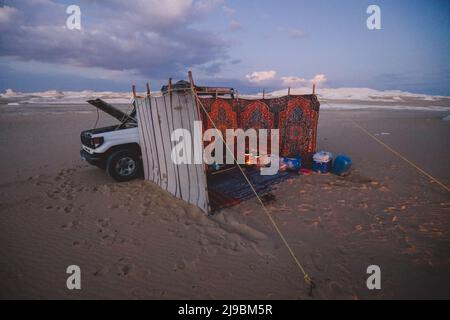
column 113, row 111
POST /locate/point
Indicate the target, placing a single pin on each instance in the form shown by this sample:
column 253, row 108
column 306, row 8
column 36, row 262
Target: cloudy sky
column 248, row 44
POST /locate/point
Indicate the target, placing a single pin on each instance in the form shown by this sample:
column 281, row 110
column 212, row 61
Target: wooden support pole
column 133, row 89
column 191, row 79
column 264, row 94
column 314, row 88
column 169, row 85
column 148, row 90
column 289, row 91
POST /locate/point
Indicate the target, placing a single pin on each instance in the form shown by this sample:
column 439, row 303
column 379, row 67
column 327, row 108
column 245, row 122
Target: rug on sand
column 229, row 188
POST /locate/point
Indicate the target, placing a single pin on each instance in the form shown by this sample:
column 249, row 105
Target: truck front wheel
column 123, row 166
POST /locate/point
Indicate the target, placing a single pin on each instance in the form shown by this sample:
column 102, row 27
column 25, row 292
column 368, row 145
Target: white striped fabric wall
column 157, row 117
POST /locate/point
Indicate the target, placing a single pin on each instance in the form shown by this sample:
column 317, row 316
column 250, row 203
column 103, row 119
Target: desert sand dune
column 134, row 241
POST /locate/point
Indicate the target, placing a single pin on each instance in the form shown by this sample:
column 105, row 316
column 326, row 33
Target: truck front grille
column 86, row 140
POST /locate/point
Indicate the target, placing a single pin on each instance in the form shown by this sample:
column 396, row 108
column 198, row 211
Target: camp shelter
column 296, row 116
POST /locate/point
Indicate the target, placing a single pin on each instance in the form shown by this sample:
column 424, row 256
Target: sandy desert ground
column 134, row 241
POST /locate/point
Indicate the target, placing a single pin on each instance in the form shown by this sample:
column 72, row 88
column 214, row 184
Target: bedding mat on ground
column 229, row 188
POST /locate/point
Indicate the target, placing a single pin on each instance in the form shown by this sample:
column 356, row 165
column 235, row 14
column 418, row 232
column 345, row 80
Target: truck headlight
column 97, row 142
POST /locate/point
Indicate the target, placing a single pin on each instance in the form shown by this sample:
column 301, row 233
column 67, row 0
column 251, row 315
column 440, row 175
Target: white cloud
column 152, row 37
column 206, row 5
column 228, row 10
column 235, row 25
column 319, row 79
column 260, row 76
column 293, row 81
column 296, row 33
column 168, row 9
column 157, row 14
column 6, row 13
column 286, row 81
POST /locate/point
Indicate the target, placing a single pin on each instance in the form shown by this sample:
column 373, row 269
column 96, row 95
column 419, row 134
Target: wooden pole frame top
column 191, row 79
column 169, row 85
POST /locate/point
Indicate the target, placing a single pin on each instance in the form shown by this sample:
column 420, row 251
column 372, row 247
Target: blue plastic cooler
column 322, row 162
column 341, row 165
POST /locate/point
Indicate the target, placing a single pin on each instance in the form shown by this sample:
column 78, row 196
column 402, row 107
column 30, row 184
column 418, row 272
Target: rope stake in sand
column 402, row 157
column 306, row 277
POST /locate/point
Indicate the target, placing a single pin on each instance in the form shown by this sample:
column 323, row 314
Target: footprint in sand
column 107, row 236
column 104, row 223
column 124, row 267
column 72, row 225
column 41, row 183
column 125, row 270
column 179, row 266
column 145, row 212
column 103, row 270
column 207, row 248
column 133, row 241
column 177, row 233
column 68, row 209
column 82, row 243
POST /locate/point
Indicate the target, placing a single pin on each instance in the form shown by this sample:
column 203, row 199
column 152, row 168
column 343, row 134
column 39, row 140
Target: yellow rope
column 402, row 157
column 306, row 277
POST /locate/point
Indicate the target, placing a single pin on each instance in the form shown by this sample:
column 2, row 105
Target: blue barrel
column 322, row 162
column 294, row 164
column 342, row 165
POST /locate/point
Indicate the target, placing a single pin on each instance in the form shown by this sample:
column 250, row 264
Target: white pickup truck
column 115, row 149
